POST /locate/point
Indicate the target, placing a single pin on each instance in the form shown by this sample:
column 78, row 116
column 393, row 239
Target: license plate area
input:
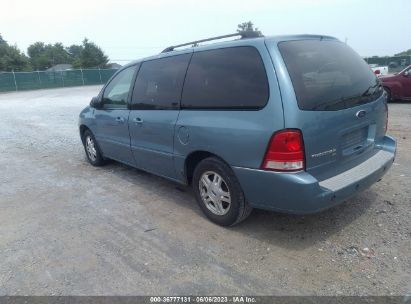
column 356, row 141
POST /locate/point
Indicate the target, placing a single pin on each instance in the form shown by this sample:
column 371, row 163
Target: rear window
column 229, row 78
column 328, row 75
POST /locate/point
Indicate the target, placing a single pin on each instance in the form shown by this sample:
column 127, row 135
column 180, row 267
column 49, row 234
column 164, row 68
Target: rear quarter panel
column 239, row 137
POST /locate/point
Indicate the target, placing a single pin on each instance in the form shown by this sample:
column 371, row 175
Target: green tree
column 38, row 57
column 2, row 40
column 43, row 56
column 58, row 53
column 11, row 58
column 248, row 27
column 405, row 53
column 91, row 56
column 74, row 51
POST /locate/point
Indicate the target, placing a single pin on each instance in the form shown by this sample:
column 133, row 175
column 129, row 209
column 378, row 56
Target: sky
column 130, row 29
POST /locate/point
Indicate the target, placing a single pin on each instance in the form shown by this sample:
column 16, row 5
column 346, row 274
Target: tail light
column 377, row 72
column 285, row 151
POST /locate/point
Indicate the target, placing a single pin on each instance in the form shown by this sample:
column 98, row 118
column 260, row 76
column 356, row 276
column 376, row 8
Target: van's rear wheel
column 219, row 193
column 92, row 150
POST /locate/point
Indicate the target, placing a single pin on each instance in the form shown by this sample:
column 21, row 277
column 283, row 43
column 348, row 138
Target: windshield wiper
column 326, row 105
column 353, row 99
column 367, row 91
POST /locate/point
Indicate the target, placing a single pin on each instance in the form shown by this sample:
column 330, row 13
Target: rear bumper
column 301, row 193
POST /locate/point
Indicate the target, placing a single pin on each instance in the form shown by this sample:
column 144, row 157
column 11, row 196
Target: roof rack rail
column 243, row 34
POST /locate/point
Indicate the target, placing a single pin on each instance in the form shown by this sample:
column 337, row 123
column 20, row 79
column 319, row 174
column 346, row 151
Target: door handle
column 138, row 120
column 120, row 119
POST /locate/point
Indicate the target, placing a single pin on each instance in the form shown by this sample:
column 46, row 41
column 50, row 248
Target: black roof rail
column 243, row 34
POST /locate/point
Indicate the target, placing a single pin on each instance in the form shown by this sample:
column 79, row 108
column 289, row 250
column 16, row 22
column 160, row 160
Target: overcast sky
column 130, row 29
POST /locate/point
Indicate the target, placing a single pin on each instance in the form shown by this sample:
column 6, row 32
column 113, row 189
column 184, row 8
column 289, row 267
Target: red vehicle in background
column 397, row 86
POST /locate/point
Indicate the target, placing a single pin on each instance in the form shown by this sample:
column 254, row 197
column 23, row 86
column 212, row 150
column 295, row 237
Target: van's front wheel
column 219, row 193
column 92, row 149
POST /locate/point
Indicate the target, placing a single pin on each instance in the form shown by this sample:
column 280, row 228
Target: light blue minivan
column 294, row 124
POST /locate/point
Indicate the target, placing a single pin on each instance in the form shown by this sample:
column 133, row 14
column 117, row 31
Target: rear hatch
column 339, row 104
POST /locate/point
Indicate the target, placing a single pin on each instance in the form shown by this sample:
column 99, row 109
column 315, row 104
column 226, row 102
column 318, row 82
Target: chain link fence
column 18, row 81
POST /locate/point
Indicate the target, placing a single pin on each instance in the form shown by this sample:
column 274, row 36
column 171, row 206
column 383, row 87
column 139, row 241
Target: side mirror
column 95, row 102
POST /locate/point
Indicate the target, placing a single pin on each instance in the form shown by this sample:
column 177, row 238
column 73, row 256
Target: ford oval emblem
column 361, row 113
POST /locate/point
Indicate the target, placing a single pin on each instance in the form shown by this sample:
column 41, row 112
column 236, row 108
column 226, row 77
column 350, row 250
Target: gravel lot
column 67, row 228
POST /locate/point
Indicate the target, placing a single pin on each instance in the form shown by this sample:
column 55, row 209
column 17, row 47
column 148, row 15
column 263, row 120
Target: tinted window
column 159, row 83
column 116, row 93
column 226, row 78
column 328, row 75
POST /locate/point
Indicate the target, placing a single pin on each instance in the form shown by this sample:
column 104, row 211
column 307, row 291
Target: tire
column 219, row 193
column 92, row 149
column 388, row 92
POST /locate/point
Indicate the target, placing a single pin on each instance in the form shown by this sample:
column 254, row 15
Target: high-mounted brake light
column 285, row 151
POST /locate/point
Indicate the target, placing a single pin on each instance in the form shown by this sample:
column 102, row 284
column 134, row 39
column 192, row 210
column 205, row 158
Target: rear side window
column 328, row 75
column 229, row 78
column 159, row 83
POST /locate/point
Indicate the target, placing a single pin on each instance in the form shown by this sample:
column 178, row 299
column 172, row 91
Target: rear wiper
column 326, row 105
column 367, row 91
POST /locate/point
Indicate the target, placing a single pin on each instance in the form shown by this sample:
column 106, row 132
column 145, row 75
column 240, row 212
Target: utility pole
column 82, row 77
column 38, row 74
column 99, row 72
column 15, row 82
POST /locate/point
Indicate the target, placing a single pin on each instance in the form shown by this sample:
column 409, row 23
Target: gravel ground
column 67, row 228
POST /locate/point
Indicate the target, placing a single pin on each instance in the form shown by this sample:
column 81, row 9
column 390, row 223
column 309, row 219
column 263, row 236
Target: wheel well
column 83, row 129
column 388, row 91
column 193, row 160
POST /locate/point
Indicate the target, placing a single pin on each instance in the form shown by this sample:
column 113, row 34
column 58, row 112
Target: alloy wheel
column 215, row 193
column 91, row 148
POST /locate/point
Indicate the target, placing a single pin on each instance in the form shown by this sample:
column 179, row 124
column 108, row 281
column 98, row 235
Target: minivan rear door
column 155, row 107
column 332, row 96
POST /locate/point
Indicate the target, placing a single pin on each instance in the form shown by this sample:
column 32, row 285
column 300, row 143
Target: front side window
column 159, row 83
column 229, row 78
column 328, row 75
column 116, row 93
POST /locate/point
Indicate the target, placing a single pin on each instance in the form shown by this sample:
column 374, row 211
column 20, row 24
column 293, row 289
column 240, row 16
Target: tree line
column 41, row 56
column 405, row 53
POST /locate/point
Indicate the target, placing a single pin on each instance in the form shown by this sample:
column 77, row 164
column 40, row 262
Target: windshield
column 328, row 75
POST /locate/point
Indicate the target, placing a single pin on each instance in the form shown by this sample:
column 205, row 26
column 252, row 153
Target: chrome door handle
column 138, row 120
